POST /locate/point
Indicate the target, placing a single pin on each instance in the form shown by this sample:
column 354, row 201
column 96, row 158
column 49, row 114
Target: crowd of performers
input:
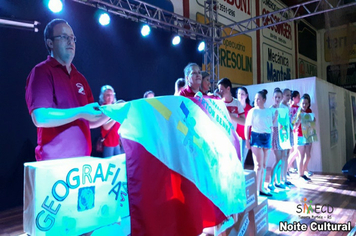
column 255, row 124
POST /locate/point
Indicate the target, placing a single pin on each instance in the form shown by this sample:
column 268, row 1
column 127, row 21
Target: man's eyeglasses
column 66, row 37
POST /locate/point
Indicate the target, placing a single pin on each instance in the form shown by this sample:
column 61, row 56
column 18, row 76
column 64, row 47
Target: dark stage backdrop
column 115, row 55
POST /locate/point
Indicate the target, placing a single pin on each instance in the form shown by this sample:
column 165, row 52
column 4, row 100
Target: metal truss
column 211, row 56
column 211, row 32
column 299, row 11
column 140, row 11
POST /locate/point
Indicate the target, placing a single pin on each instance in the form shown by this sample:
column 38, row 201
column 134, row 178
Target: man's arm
column 53, row 117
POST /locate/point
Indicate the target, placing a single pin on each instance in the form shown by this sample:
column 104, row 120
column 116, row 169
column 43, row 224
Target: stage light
column 176, row 40
column 55, row 5
column 104, row 19
column 145, row 30
column 201, row 46
column 19, row 24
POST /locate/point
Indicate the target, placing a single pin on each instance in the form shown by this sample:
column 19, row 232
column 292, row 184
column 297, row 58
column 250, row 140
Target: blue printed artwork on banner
column 86, row 197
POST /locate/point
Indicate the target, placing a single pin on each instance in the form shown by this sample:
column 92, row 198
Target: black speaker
column 349, row 169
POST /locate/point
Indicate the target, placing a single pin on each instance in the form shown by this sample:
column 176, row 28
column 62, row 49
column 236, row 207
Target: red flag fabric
column 162, row 202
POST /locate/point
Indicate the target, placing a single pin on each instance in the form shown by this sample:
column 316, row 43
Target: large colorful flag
column 284, row 128
column 183, row 169
column 308, row 127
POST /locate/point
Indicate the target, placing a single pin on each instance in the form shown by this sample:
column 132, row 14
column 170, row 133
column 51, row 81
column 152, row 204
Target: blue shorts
column 302, row 141
column 261, row 140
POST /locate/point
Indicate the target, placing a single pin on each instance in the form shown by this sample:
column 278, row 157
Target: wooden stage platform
column 324, row 189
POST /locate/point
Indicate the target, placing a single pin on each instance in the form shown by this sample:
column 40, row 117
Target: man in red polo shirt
column 60, row 100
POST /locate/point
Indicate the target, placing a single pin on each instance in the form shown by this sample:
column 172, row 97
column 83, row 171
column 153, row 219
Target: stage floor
column 324, row 189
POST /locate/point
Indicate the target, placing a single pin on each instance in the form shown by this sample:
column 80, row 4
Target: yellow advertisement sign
column 339, row 44
column 235, row 58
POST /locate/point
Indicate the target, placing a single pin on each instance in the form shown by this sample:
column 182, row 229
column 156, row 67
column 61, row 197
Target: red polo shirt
column 50, row 86
column 187, row 92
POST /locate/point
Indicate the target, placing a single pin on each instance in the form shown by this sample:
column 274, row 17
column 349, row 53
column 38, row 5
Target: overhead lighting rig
column 19, row 24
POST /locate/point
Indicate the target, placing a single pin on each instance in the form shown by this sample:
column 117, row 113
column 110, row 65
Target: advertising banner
column 339, row 44
column 281, row 33
column 306, row 69
column 307, row 37
column 336, row 76
column 229, row 10
column 278, row 64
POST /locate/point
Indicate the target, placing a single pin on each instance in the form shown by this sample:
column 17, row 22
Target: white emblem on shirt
column 80, row 88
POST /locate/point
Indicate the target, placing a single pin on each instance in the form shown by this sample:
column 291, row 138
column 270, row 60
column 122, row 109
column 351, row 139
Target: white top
column 235, row 108
column 260, row 120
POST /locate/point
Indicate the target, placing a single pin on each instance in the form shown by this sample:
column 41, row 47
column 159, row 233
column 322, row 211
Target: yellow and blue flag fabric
column 183, row 166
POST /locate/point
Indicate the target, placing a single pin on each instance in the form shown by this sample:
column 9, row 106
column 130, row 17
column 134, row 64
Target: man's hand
column 91, row 112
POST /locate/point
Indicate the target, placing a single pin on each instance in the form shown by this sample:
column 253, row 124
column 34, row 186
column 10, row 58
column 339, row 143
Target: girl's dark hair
column 225, row 82
column 286, row 90
column 307, row 97
column 204, row 74
column 277, row 90
column 245, row 90
column 180, row 83
column 147, row 93
column 295, row 93
column 263, row 93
